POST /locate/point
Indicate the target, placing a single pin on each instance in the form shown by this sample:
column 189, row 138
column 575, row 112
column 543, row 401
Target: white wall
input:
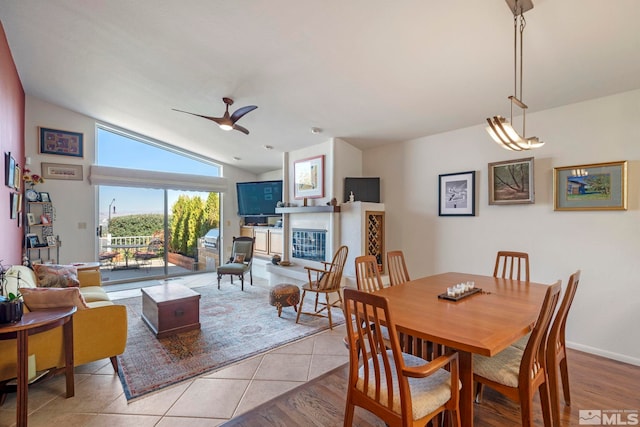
column 75, row 202
column 605, row 245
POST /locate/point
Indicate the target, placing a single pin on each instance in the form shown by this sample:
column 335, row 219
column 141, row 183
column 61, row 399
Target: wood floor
column 596, row 383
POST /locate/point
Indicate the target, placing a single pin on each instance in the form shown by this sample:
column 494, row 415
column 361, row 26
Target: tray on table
column 461, row 296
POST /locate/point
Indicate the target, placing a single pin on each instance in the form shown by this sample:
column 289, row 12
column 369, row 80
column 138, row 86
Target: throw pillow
column 239, row 258
column 56, row 276
column 43, row 298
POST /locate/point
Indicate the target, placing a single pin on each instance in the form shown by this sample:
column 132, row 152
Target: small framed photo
column 308, row 178
column 32, row 240
column 457, row 194
column 61, row 142
column 9, row 170
column 52, row 241
column 511, row 182
column 44, row 197
column 61, row 171
column 31, row 219
column 45, row 219
column 14, row 204
column 597, row 186
column 17, row 177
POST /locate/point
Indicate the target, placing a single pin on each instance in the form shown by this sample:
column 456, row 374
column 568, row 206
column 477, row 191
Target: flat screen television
column 258, row 198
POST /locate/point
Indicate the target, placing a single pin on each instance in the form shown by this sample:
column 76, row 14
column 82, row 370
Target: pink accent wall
column 12, row 105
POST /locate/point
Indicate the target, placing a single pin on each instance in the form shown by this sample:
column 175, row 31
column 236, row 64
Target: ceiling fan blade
column 241, row 129
column 215, row 119
column 241, row 112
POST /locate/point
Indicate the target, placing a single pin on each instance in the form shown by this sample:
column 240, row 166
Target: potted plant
column 11, row 304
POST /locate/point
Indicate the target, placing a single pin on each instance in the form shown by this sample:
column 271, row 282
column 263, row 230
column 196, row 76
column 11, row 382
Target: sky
column 119, row 151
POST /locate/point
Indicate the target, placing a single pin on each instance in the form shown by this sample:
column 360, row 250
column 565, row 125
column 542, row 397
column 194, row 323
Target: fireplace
column 309, row 244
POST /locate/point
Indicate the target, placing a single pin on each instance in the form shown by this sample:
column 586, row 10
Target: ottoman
column 284, row 295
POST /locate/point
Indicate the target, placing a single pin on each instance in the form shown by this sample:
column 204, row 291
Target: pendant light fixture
column 500, row 129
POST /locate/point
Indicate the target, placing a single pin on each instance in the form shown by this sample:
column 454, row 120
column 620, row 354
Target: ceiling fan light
column 226, row 127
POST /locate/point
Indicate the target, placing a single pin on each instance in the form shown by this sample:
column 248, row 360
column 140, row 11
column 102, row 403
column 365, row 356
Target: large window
column 148, row 231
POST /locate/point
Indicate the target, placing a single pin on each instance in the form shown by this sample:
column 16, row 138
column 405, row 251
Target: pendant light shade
column 500, row 129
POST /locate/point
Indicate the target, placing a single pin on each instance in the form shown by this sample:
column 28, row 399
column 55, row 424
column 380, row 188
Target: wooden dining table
column 484, row 323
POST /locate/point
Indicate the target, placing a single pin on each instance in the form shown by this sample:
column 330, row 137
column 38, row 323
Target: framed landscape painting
column 597, row 186
column 457, row 194
column 511, row 182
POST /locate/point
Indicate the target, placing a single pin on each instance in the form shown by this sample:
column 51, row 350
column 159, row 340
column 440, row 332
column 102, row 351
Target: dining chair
column 240, row 262
column 367, row 274
column 510, row 265
column 401, row 389
column 518, row 373
column 324, row 281
column 556, row 350
column 398, row 272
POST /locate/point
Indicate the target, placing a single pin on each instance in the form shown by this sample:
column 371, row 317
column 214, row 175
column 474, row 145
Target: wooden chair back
column 512, row 265
column 367, row 275
column 378, row 375
column 556, row 350
column 331, row 279
column 398, row 272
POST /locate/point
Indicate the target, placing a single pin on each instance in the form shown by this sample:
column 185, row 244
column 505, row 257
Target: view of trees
column 190, row 218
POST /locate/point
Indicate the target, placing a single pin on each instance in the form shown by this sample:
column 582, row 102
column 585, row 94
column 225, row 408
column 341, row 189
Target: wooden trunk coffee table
column 171, row 308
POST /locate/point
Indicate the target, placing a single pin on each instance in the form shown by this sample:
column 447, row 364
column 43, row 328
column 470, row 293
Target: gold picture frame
column 511, row 182
column 590, row 187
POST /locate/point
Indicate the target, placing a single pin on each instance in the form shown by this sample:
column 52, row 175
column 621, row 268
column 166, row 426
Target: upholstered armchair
column 240, row 261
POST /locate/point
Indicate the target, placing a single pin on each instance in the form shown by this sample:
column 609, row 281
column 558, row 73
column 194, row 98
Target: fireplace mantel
column 308, row 209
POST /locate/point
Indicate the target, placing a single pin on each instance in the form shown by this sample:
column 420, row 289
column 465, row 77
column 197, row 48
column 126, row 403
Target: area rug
column 235, row 325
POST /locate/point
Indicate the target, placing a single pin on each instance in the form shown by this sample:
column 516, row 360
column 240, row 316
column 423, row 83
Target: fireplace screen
column 309, row 244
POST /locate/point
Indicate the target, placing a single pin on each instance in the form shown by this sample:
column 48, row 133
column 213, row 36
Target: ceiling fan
column 228, row 122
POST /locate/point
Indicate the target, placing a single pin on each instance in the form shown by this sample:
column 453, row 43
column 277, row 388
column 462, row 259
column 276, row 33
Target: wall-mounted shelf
column 309, row 209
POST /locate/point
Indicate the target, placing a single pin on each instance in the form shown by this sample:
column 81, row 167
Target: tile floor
column 208, row 400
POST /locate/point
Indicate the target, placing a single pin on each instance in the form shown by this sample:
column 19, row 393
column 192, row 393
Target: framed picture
column 14, row 205
column 457, row 194
column 61, row 142
column 45, row 219
column 511, row 182
column 51, row 241
column 32, row 240
column 308, row 181
column 31, row 219
column 61, row 171
column 17, row 177
column 598, row 186
column 44, row 197
column 9, row 170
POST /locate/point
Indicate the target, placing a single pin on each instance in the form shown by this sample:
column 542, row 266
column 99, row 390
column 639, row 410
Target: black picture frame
column 457, row 194
column 44, row 197
column 9, row 170
column 32, row 240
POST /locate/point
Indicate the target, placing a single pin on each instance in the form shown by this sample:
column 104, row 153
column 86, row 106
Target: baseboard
column 604, row 353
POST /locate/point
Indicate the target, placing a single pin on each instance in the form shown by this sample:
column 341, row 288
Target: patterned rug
column 235, row 325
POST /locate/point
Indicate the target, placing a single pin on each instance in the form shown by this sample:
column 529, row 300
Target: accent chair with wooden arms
column 556, row 350
column 401, row 389
column 398, row 272
column 517, row 374
column 512, row 265
column 240, row 261
column 325, row 281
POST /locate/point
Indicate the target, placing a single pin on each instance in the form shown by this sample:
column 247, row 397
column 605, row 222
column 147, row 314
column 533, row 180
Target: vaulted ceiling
column 368, row 71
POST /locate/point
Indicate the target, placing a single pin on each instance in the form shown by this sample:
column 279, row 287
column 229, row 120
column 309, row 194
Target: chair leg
column 242, row 282
column 546, row 404
column 219, row 277
column 114, row 363
column 564, row 373
column 348, row 414
column 304, row 292
column 328, row 310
